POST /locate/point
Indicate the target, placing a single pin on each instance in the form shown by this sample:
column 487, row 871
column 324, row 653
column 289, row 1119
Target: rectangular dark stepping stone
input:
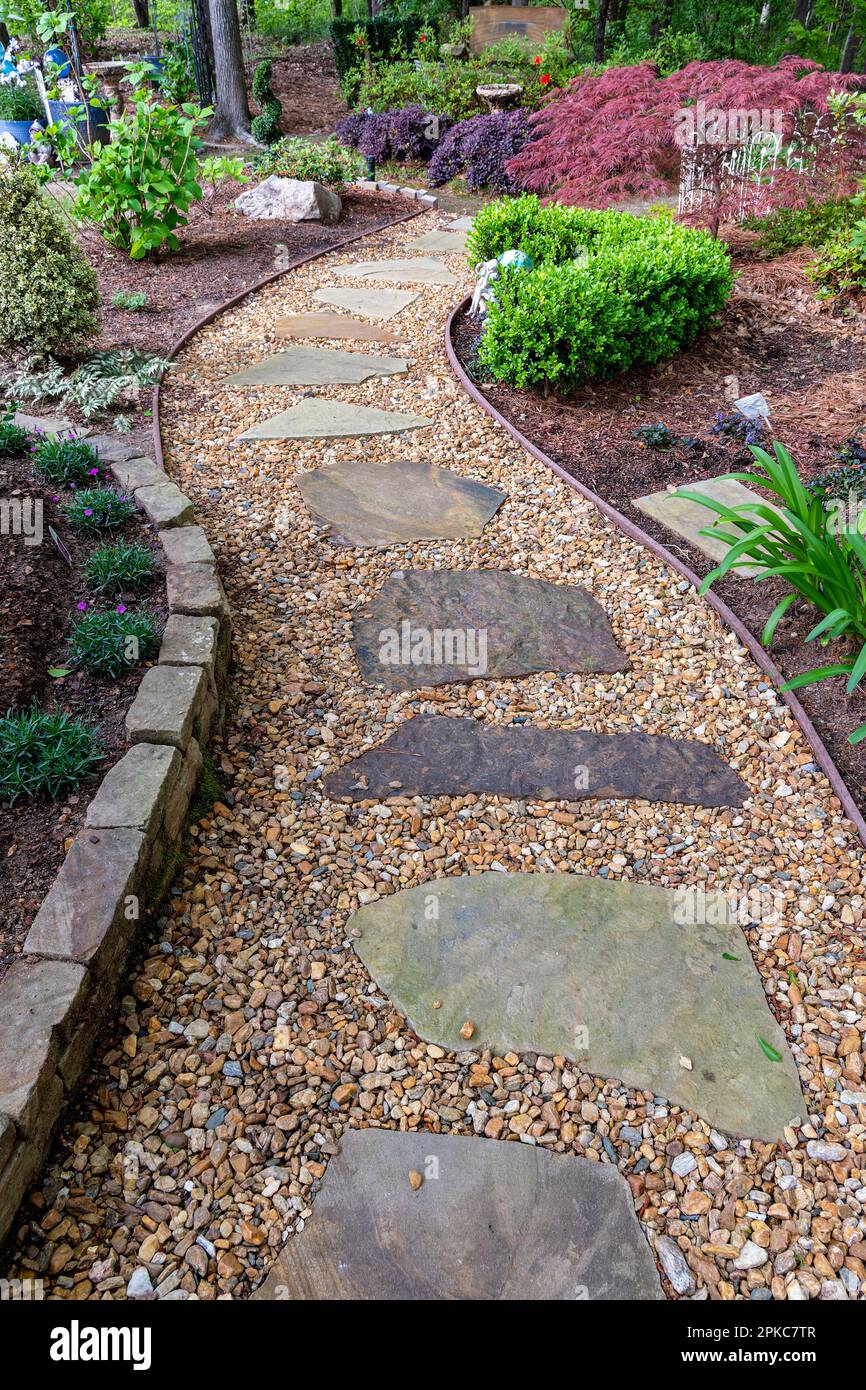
column 317, row 418
column 316, row 366
column 430, row 627
column 436, row 1217
column 631, row 981
column 332, row 326
column 433, row 755
column 381, row 504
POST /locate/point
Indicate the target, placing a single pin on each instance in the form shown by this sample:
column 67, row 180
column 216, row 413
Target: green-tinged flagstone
column 317, row 418
column 446, row 1217
column 316, row 366
column 653, row 987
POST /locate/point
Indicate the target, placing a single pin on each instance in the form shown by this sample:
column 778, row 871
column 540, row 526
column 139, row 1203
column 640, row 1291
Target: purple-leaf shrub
column 408, row 133
column 481, row 147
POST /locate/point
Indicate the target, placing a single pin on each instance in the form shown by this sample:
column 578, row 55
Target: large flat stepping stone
column 422, row 270
column 490, row 1221
column 332, row 326
column 430, row 627
column 433, row 755
column 448, row 242
column 381, row 504
column 687, row 519
column 377, row 304
column 462, row 224
column 613, row 975
column 316, row 366
column 322, row 419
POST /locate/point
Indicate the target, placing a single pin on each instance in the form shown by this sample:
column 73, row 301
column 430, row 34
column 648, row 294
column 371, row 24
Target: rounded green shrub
column 42, row 752
column 65, row 460
column 112, row 641
column 48, row 290
column 326, row 162
column 121, row 566
column 608, row 291
column 98, row 509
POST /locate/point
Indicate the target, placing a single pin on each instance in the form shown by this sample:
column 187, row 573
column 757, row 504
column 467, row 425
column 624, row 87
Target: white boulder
column 290, row 200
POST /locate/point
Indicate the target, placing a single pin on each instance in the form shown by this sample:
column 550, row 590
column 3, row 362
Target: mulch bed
column 39, row 592
column 222, row 253
column 773, row 338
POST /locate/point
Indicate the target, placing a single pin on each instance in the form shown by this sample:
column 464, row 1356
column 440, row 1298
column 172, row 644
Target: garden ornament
column 486, row 272
column 518, row 260
column 13, row 69
column 754, row 408
column 39, row 150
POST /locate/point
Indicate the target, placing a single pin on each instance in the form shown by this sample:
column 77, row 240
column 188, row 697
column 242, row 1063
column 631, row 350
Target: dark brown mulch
column 38, row 597
column 221, row 254
column 812, row 370
column 305, row 81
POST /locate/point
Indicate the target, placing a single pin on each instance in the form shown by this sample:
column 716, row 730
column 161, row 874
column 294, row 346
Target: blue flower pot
column 19, row 130
column 71, row 115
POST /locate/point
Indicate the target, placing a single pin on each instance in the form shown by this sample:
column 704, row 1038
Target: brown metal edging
column 251, row 289
column 756, row 651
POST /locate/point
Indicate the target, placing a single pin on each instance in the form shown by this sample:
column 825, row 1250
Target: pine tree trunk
column 338, row 8
column 142, row 14
column 849, row 51
column 803, row 12
column 600, row 27
column 232, row 117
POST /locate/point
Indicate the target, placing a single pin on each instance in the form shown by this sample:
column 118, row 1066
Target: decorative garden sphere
column 518, row 259
column 56, row 58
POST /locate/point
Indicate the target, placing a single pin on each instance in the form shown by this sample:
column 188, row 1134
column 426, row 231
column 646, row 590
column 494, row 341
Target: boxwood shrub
column 608, row 291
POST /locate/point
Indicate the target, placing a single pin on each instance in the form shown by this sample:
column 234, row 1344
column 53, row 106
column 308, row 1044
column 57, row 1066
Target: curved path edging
column 634, row 532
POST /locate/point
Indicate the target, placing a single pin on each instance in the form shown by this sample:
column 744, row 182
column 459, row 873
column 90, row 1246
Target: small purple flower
column 88, row 511
column 81, row 606
column 93, row 472
column 121, row 608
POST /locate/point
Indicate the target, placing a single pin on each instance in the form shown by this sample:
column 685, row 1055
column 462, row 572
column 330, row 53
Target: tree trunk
column 338, row 8
column 849, row 51
column 803, row 12
column 142, row 14
column 232, row 117
column 600, row 27
column 5, row 38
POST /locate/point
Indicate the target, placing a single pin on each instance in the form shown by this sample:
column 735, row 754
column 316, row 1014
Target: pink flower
column 81, row 606
column 121, row 608
column 88, row 511
column 93, row 472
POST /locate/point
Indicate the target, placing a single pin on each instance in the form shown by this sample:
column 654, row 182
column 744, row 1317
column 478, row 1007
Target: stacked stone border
column 54, row 1000
column 728, row 617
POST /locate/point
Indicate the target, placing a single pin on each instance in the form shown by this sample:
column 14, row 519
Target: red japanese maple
column 621, row 135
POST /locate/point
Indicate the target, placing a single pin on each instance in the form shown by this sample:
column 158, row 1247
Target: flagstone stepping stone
column 687, row 519
column 332, row 326
column 321, row 419
column 430, row 627
column 617, row 976
column 449, row 241
column 435, row 755
column 422, row 270
column 462, row 224
column 488, row 1221
column 316, row 366
column 377, row 304
column 381, row 504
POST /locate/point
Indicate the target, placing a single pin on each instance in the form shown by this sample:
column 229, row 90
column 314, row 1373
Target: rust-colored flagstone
column 333, row 326
column 380, row 504
column 433, row 755
column 431, row 627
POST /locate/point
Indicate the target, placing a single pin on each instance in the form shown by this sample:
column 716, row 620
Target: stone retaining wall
column 54, row 999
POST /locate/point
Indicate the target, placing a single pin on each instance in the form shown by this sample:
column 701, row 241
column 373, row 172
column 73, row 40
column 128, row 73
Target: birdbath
column 499, row 95
column 111, row 74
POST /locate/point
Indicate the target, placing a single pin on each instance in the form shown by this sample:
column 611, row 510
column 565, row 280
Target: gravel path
column 251, row 1036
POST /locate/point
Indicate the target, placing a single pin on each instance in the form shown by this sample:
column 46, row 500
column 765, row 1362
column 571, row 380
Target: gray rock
column 751, row 1256
column 317, row 366
column 40, row 1002
column 138, row 472
column 684, row 1164
column 196, row 591
column 165, row 504
column 418, row 270
column 673, row 1262
column 134, row 791
column 167, row 706
column 190, row 641
column 590, row 969
column 375, row 303
column 826, row 1153
column 139, row 1285
column 186, row 545
column 316, row 418
column 290, row 200
column 490, row 1221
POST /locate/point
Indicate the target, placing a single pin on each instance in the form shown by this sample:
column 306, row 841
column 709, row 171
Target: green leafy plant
column 133, row 300
column 20, row 103
column 48, row 291
column 788, row 228
column 112, row 641
column 326, row 162
column 266, row 127
column 105, row 377
column 607, row 291
column 42, row 752
column 13, row 439
column 65, row 460
column 139, row 187
column 98, row 509
column 804, row 544
column 177, row 76
column 112, row 568
column 841, row 267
